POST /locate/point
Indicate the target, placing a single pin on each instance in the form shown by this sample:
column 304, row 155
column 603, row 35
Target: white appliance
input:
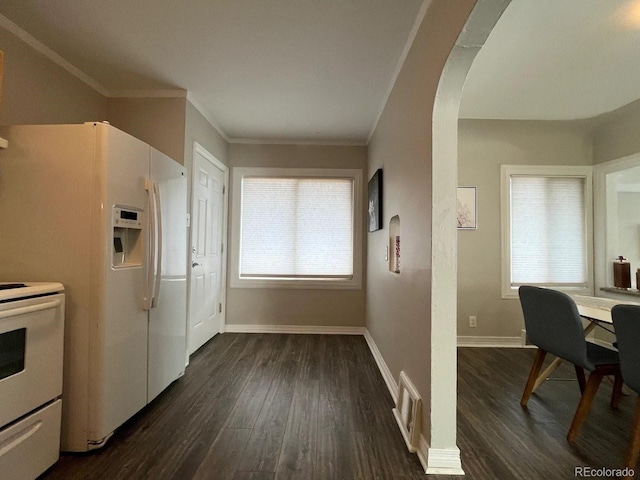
column 31, row 337
column 106, row 214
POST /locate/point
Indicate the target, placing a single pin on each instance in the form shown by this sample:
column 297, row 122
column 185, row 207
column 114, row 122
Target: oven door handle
column 14, row 440
column 30, row 309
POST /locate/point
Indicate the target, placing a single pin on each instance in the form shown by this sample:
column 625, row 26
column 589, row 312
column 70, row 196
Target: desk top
column 598, row 308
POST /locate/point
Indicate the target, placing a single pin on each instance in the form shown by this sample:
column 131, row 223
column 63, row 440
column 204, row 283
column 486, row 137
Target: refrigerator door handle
column 158, row 275
column 148, row 292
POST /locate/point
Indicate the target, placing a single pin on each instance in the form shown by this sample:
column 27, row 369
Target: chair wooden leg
column 533, row 375
column 634, row 444
column 581, row 381
column 616, row 395
column 585, row 403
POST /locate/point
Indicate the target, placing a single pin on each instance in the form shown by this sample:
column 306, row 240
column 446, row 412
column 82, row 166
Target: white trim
column 500, row 342
column 199, row 149
column 354, row 283
column 294, row 329
column 403, row 56
column 602, row 262
column 442, row 461
column 51, row 55
column 208, row 115
column 284, row 141
column 169, row 93
column 382, row 366
column 506, row 171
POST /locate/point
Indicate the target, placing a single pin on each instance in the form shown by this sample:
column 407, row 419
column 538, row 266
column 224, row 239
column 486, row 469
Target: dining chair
column 554, row 325
column 626, row 322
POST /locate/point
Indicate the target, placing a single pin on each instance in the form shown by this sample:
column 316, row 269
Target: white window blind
column 297, row 227
column 548, row 230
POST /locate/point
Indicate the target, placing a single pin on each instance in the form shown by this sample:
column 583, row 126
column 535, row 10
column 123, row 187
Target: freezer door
column 168, row 315
column 118, row 357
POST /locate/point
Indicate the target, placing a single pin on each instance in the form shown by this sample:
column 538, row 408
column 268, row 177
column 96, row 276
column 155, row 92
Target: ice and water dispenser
column 127, row 246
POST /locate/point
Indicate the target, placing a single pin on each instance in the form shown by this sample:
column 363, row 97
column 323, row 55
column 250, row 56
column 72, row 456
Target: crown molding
column 206, row 113
column 51, row 55
column 403, row 56
column 283, row 141
column 167, row 93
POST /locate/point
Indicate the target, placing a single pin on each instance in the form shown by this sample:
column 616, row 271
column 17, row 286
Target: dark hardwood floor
column 315, row 407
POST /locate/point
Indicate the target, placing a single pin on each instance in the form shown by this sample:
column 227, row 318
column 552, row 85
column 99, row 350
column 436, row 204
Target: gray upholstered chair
column 626, row 321
column 553, row 325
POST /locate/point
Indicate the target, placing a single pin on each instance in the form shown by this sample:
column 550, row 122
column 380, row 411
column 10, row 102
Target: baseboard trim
column 440, row 461
column 433, row 460
column 500, row 342
column 391, row 383
column 294, row 329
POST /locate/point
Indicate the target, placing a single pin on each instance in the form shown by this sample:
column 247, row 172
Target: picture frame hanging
column 375, row 201
column 466, row 208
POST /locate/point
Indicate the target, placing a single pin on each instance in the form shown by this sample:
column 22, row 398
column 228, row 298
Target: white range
column 31, row 351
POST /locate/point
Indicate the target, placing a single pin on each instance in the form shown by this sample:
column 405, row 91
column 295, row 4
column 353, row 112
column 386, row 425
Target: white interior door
column 206, row 312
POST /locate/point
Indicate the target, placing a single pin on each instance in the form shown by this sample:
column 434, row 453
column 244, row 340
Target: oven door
column 31, row 349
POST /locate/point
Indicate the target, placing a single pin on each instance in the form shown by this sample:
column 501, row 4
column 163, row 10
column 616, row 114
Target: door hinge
column 221, row 248
column 224, row 189
column 219, row 308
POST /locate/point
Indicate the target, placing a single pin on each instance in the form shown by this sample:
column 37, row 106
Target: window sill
column 632, row 292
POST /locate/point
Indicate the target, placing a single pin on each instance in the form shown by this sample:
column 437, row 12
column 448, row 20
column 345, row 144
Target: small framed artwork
column 466, row 211
column 375, row 201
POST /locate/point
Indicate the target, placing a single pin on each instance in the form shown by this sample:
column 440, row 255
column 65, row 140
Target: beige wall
column 300, row 306
column 398, row 306
column 37, row 91
column 483, row 146
column 160, row 122
column 198, row 129
column 617, row 134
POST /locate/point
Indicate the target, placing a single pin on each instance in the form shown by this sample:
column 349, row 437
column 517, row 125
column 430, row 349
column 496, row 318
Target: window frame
column 506, row 172
column 239, row 173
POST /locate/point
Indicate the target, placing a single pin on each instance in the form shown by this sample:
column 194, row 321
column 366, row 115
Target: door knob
column 195, row 264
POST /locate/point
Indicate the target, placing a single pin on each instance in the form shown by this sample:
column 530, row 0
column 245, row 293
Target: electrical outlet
column 473, row 321
column 386, row 254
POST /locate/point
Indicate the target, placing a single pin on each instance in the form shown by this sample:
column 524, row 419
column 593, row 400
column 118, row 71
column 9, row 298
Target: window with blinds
column 296, row 226
column 547, row 227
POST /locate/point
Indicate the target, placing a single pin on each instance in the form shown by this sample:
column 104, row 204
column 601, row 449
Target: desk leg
column 556, row 362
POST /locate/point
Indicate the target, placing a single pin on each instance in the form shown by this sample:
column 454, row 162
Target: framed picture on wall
column 466, row 211
column 375, row 201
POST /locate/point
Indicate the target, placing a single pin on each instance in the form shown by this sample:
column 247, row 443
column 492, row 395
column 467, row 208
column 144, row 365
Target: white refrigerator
column 106, row 215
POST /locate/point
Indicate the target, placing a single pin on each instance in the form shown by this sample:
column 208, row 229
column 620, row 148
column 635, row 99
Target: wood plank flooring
column 315, row 407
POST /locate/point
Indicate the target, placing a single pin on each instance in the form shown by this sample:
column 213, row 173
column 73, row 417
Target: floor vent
column 408, row 412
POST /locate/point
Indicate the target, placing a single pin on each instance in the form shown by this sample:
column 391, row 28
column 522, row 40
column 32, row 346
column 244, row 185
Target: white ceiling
column 320, row 70
column 305, row 70
column 557, row 60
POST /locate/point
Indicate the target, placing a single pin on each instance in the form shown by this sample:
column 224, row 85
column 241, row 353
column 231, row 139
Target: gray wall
column 160, row 122
column 399, row 306
column 485, row 145
column 300, row 306
column 617, row 134
column 37, row 91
